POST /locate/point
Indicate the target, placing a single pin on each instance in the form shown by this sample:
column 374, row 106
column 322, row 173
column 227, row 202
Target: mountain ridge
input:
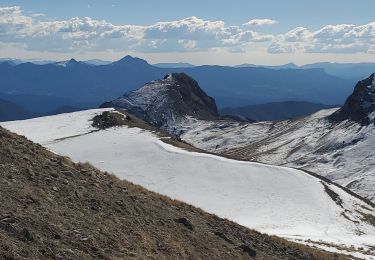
column 276, row 110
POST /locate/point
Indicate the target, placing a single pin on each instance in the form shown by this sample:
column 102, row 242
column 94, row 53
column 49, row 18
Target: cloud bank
column 192, row 34
column 340, row 38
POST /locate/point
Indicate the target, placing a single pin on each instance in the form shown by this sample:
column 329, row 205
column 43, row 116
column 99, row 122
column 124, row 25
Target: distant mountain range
column 356, row 71
column 352, row 71
column 89, row 85
column 284, row 66
column 275, row 111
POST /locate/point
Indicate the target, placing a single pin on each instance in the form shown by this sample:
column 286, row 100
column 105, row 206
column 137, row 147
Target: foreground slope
column 51, row 208
column 276, row 200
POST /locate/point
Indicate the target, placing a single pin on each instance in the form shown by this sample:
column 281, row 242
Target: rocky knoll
column 163, row 102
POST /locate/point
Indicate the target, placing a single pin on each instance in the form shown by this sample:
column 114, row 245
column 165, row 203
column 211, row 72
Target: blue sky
column 298, row 31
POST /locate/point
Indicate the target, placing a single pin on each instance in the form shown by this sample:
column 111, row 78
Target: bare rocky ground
column 51, row 208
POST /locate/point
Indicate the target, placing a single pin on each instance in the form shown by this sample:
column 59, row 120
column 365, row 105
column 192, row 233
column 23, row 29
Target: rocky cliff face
column 163, row 102
column 360, row 105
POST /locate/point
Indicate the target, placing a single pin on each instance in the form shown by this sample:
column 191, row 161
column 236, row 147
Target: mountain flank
column 275, row 111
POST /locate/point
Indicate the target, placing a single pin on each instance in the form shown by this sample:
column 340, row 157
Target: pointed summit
column 68, row 63
column 130, row 60
column 360, row 105
column 72, row 62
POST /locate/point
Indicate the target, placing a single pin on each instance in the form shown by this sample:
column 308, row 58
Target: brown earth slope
column 51, row 208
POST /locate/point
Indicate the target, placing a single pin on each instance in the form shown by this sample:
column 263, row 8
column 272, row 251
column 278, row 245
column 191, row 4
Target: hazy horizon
column 156, row 62
column 261, row 32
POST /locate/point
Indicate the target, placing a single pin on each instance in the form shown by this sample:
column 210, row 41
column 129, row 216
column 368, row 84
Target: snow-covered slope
column 343, row 152
column 337, row 144
column 276, row 200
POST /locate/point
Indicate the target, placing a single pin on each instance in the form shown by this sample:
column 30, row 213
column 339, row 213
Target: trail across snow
column 275, row 200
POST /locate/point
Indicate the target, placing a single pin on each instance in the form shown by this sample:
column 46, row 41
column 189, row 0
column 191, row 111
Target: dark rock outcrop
column 359, row 105
column 163, row 102
column 109, row 119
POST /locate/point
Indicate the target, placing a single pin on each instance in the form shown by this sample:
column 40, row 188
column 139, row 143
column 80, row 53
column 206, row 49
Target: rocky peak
column 360, row 104
column 163, row 102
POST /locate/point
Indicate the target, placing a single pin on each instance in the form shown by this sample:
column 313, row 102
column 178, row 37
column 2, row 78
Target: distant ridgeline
column 82, row 84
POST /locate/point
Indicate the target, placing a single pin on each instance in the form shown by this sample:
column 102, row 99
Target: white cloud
column 340, row 38
column 299, row 34
column 277, row 47
column 87, row 34
column 12, row 22
column 260, row 22
column 191, row 34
